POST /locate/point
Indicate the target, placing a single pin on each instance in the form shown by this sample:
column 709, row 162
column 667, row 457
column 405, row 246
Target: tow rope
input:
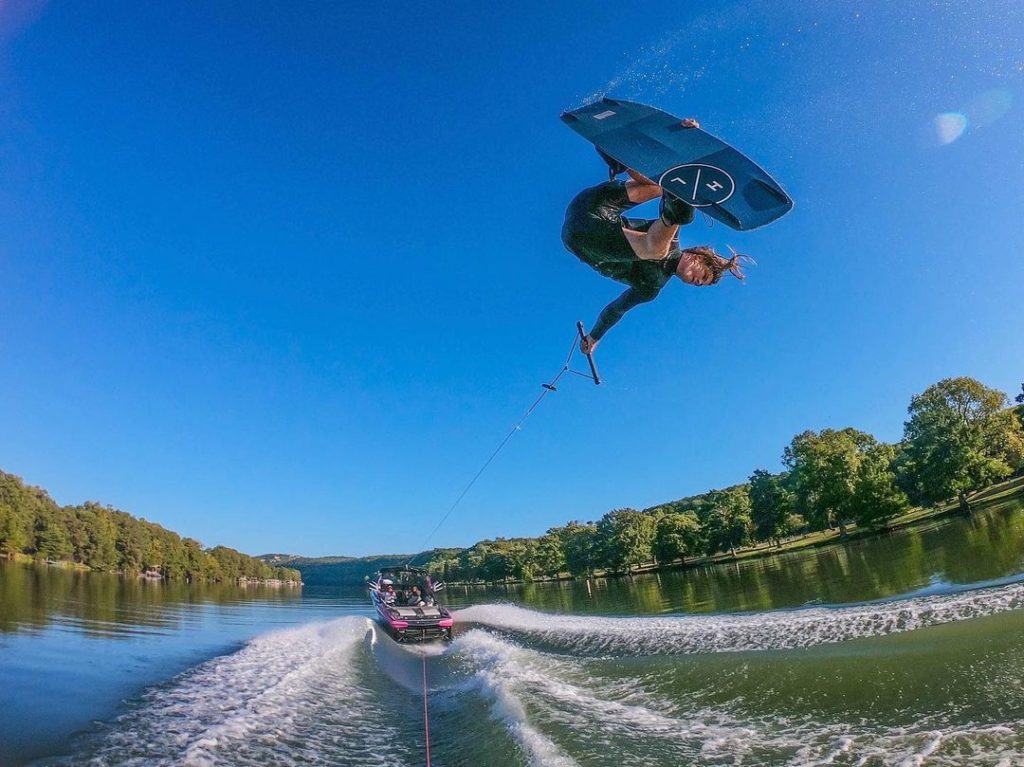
column 547, row 388
column 426, row 715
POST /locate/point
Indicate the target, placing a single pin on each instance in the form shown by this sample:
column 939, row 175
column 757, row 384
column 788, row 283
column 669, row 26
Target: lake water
column 902, row 649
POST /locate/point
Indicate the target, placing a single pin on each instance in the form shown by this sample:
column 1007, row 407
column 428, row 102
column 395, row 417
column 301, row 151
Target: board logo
column 698, row 184
column 604, row 115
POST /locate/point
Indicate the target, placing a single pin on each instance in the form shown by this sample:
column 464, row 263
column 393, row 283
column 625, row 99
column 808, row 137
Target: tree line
column 960, row 437
column 108, row 540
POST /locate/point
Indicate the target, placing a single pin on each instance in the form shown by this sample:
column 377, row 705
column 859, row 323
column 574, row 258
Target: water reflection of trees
column 33, row 597
column 989, row 544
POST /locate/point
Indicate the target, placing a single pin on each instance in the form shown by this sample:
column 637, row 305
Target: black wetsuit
column 593, row 233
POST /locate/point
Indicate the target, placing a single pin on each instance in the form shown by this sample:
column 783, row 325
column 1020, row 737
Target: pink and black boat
column 405, row 599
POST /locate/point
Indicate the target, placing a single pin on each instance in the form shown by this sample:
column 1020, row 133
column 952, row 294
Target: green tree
column 14, row 529
column 726, row 521
column 770, row 505
column 131, row 544
column 94, row 537
column 197, row 563
column 211, row 568
column 153, row 556
column 498, row 560
column 550, row 554
column 876, row 496
column 229, row 562
column 793, row 524
column 960, row 438
column 26, row 506
column 77, row 527
column 52, row 539
column 523, row 556
column 625, row 538
column 580, row 542
column 496, row 564
column 824, row 468
column 676, row 536
column 444, row 565
column 472, row 559
column 105, row 541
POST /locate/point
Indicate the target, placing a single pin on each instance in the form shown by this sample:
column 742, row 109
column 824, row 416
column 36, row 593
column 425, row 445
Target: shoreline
column 67, row 564
column 918, row 515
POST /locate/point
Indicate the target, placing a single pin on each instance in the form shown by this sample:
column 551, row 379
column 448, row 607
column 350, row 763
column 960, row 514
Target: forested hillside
column 106, row 539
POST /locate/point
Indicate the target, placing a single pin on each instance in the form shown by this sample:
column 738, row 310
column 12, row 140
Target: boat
column 405, row 599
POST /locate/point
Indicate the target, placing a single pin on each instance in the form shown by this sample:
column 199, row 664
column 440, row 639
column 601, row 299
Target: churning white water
column 519, row 687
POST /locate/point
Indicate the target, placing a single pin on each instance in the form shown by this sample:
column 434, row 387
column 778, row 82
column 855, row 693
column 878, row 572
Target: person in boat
column 389, row 593
column 641, row 253
column 414, row 598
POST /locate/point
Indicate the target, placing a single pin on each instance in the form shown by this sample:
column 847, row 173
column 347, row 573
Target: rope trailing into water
column 547, row 388
column 426, row 715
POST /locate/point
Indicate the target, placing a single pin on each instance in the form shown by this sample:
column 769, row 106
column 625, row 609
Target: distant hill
column 334, row 571
column 352, row 571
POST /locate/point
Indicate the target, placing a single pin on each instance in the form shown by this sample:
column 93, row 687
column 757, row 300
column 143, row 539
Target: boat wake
column 566, row 711
column 523, row 688
column 777, row 630
column 242, row 709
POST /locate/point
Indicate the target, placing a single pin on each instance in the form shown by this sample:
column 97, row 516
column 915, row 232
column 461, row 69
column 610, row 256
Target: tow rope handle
column 588, row 355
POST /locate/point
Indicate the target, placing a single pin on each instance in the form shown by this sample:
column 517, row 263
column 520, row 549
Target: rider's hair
column 718, row 264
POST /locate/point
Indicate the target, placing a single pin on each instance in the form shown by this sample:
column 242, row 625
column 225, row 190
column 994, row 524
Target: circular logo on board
column 698, row 184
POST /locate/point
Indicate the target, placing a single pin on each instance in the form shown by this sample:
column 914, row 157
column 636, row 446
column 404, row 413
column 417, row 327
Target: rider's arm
column 613, row 312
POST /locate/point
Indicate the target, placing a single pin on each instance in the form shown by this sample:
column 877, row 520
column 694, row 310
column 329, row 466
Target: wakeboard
column 689, row 163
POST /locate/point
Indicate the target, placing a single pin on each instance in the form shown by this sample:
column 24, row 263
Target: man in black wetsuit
column 641, row 253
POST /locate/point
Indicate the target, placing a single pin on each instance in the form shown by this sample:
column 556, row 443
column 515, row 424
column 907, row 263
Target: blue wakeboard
column 689, row 163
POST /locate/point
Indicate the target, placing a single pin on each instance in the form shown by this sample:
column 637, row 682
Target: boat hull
column 412, row 624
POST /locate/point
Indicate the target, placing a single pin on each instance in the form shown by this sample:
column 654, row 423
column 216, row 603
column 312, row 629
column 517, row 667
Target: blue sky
column 281, row 276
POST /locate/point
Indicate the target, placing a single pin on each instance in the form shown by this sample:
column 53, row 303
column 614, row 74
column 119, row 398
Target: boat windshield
column 410, row 588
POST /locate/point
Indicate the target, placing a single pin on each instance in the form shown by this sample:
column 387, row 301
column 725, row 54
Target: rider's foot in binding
column 614, row 166
column 674, row 212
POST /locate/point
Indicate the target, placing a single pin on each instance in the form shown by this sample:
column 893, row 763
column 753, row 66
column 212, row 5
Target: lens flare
column 990, row 106
column 949, row 126
column 16, row 16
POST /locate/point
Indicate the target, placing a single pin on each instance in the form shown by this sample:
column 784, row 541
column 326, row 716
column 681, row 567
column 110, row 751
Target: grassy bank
column 1004, row 491
column 350, row 571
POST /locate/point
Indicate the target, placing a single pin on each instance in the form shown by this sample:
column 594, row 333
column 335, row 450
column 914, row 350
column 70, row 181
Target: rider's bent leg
column 655, row 243
column 657, row 240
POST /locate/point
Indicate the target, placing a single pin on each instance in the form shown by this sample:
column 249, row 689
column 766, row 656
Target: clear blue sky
column 280, row 276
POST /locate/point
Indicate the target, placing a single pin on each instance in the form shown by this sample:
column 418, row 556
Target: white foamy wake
column 320, row 695
column 778, row 630
column 563, row 712
column 502, row 671
column 288, row 697
column 534, row 693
